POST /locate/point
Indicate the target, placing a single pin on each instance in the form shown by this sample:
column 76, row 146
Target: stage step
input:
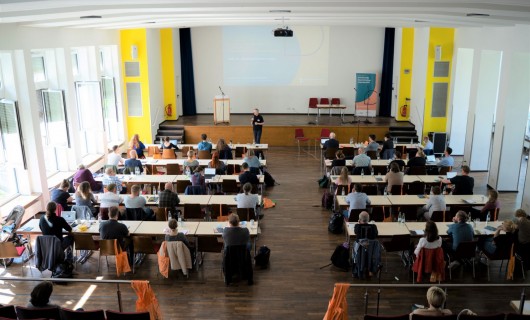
column 402, row 128
column 404, row 134
column 173, row 131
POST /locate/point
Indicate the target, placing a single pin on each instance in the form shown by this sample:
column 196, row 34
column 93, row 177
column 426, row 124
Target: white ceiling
column 120, row 14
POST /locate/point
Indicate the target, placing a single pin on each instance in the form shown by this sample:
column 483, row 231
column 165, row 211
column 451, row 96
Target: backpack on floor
column 262, row 257
column 341, row 257
column 336, row 223
column 327, row 200
column 269, row 180
column 323, row 182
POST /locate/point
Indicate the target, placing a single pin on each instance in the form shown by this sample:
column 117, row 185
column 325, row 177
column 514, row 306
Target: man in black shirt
column 463, row 184
column 112, row 229
column 52, row 225
column 247, row 176
column 331, row 143
column 257, row 125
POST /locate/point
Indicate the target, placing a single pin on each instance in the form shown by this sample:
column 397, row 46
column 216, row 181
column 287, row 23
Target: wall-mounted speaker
column 438, row 53
column 134, row 52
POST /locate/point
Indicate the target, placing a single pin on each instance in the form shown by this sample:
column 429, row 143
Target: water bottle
column 260, row 156
column 179, row 220
column 488, row 217
column 400, row 217
column 362, row 172
column 137, row 171
column 372, row 172
column 411, row 141
column 343, row 192
column 351, row 140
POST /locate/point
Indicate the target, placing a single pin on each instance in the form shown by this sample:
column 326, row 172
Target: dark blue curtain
column 385, row 102
column 186, row 70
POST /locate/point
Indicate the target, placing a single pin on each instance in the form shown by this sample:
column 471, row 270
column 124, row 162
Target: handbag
column 122, row 261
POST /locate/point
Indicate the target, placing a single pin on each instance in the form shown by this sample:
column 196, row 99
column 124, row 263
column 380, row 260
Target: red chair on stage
column 335, row 101
column 312, row 104
column 299, row 136
column 324, row 100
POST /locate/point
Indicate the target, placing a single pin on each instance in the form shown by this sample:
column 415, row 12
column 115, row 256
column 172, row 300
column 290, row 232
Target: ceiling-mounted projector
column 283, row 32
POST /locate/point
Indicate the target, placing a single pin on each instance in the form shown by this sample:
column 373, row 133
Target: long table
column 260, row 146
column 413, row 200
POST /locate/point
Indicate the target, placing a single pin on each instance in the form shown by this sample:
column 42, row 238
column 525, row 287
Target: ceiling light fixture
column 280, row 11
column 90, row 17
column 477, row 14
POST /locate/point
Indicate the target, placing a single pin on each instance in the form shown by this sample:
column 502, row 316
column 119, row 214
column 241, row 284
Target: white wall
column 351, row 50
column 156, row 87
column 419, row 76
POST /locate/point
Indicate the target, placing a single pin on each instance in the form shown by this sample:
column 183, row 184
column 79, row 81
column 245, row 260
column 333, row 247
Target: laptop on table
column 209, row 173
column 69, row 217
column 431, row 158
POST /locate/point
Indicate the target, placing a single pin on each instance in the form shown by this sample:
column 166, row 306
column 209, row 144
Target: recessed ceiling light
column 280, row 11
column 90, row 17
column 477, row 15
column 149, row 22
column 420, row 21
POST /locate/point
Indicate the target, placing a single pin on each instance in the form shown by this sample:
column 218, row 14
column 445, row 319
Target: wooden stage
column 279, row 128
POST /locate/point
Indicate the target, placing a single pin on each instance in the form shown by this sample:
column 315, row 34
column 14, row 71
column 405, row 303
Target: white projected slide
column 252, row 56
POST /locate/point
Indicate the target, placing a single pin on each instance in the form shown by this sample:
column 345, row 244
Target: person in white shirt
column 436, row 203
column 110, row 198
column 431, row 239
column 114, row 158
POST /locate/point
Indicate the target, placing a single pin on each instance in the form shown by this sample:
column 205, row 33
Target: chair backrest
column 516, row 316
column 299, row 133
column 144, row 244
column 209, row 244
column 349, row 152
column 84, row 241
column 8, row 312
column 161, row 214
column 438, row 216
column 182, row 184
column 185, row 150
column 378, row 214
column 313, row 102
column 372, row 154
column 357, row 171
column 68, row 314
column 8, row 250
column 330, row 153
column 46, row 313
column 219, row 210
column 466, row 249
column 135, row 214
column 173, row 169
column 420, row 170
column 369, row 189
column 354, row 215
column 398, row 317
column 324, row 133
column 342, row 189
column 168, row 154
column 324, row 100
column 422, row 317
column 444, row 170
column 335, row 100
column 116, row 315
column 246, row 214
column 204, row 154
column 193, row 211
column 399, row 242
column 497, row 316
column 396, row 190
column 106, row 247
column 152, row 150
column 230, row 186
column 416, row 187
column 240, row 152
column 195, row 190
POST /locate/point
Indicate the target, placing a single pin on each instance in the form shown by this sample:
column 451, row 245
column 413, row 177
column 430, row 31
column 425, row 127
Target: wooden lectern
column 221, row 109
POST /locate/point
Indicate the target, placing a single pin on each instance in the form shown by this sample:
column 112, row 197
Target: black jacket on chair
column 237, row 260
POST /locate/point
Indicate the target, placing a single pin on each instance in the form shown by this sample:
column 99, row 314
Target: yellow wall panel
column 168, row 71
column 405, row 78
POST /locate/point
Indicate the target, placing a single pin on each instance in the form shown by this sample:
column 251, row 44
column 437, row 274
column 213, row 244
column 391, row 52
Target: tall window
column 110, row 109
column 11, row 149
column 53, row 127
column 89, row 114
column 39, row 69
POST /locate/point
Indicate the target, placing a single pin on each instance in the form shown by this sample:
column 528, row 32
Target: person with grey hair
column 257, row 125
column 331, row 142
column 364, row 229
column 436, row 299
column 110, row 177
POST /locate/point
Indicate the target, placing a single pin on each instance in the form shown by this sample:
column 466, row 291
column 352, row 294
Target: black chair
column 219, row 210
column 398, row 317
column 68, row 314
column 182, row 184
column 372, row 154
column 370, row 189
column 438, row 216
column 416, row 187
column 502, row 254
column 354, row 215
column 193, row 211
column 8, row 312
column 396, row 190
column 237, row 260
column 516, row 316
column 418, row 171
column 398, row 243
column 46, row 313
column 421, row 317
column 466, row 251
column 378, row 214
column 195, row 190
column 357, row 171
column 135, row 214
column 116, row 315
column 230, row 186
column 246, row 214
column 497, row 316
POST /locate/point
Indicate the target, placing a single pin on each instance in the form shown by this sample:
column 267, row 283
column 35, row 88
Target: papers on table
column 419, row 232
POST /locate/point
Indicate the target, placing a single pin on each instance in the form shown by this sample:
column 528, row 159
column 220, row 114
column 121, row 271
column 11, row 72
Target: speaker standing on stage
column 257, row 125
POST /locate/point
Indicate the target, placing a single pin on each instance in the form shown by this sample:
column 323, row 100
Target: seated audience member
column 108, row 199
column 220, row 167
column 428, row 146
column 204, row 145
column 167, row 144
column 138, row 146
column 343, row 179
column 190, row 164
column 225, row 152
column 112, row 229
column 431, row 239
column 234, row 235
column 523, row 225
column 197, row 179
column 331, row 142
column 462, row 184
column 132, row 163
column 61, row 196
column 398, row 159
column 459, row 231
column 418, row 161
column 361, row 160
column 52, row 225
column 85, row 197
column 436, row 299
column 388, row 147
column 135, row 201
column 499, row 242
column 168, row 198
column 40, row 296
column 339, row 161
column 447, row 160
column 491, row 205
column 114, row 158
column 247, row 176
column 394, row 177
column 436, row 202
column 364, row 229
column 357, row 199
column 247, row 199
column 253, row 161
column 84, row 174
column 172, row 234
column 110, row 177
column 372, row 144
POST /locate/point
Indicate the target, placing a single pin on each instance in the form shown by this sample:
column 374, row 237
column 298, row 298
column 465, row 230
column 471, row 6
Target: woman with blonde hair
column 344, row 179
column 190, row 164
column 499, row 242
column 137, row 145
column 436, row 299
column 85, row 197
